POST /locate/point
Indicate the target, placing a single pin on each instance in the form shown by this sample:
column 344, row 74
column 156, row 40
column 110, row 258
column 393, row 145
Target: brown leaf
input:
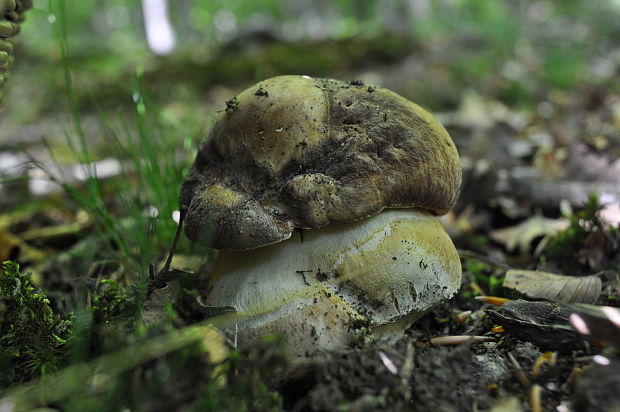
column 600, row 322
column 596, row 246
column 560, row 288
column 545, row 324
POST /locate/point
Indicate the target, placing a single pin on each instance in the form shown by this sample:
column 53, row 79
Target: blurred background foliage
column 133, row 80
column 522, row 43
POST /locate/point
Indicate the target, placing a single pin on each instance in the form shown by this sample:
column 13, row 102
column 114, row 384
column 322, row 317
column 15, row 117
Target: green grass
column 132, row 213
column 133, row 226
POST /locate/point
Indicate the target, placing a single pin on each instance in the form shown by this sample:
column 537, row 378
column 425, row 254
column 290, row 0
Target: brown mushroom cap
column 298, row 152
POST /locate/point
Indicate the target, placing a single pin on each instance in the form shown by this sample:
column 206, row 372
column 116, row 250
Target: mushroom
column 322, row 197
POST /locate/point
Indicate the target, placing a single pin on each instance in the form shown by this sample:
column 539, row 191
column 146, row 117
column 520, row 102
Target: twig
column 521, row 376
column 535, row 398
column 462, row 316
column 459, row 340
column 548, row 358
column 492, row 300
column 165, row 275
column 406, row 370
column 478, row 256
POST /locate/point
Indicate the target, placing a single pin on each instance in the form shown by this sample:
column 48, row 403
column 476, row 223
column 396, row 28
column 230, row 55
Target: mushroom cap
column 299, row 152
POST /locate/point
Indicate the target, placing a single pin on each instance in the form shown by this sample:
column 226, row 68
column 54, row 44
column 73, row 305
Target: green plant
column 485, row 276
column 133, row 212
column 32, row 336
column 581, row 223
column 587, row 242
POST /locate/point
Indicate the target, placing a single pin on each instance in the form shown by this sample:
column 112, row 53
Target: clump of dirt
column 401, row 377
column 362, row 379
column 415, row 375
column 457, row 378
column 597, row 389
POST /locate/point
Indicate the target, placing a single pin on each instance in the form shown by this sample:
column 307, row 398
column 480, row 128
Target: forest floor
column 541, row 193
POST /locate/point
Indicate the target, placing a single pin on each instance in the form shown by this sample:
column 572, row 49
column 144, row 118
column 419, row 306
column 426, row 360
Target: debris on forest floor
column 538, row 161
column 557, row 362
column 543, row 323
column 596, row 389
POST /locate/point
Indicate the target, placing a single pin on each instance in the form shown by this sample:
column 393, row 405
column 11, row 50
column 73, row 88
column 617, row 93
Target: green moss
column 111, row 301
column 32, row 336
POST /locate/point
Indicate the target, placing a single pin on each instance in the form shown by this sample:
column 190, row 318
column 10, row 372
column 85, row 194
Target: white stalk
column 389, row 269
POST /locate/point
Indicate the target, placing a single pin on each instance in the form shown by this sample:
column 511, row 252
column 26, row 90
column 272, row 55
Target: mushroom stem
column 382, row 273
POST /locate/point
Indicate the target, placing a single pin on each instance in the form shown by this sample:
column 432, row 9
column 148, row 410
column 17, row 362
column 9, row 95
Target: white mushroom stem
column 388, row 269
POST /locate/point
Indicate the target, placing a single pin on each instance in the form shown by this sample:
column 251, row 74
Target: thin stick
column 521, row 376
column 474, row 255
column 163, row 276
column 459, row 340
column 406, row 370
column 492, row 300
column 535, row 398
column 175, row 242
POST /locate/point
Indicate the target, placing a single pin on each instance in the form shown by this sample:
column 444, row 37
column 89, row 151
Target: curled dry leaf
column 523, row 234
column 560, row 288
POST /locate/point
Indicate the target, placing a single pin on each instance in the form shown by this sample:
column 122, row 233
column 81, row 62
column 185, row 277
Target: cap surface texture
column 298, row 152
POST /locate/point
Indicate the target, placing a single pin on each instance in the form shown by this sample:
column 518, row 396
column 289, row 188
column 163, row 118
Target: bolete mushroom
column 361, row 173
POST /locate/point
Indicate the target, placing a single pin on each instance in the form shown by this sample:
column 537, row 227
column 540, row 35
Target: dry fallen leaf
column 13, row 247
column 523, row 234
column 560, row 288
column 596, row 247
column 611, row 214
